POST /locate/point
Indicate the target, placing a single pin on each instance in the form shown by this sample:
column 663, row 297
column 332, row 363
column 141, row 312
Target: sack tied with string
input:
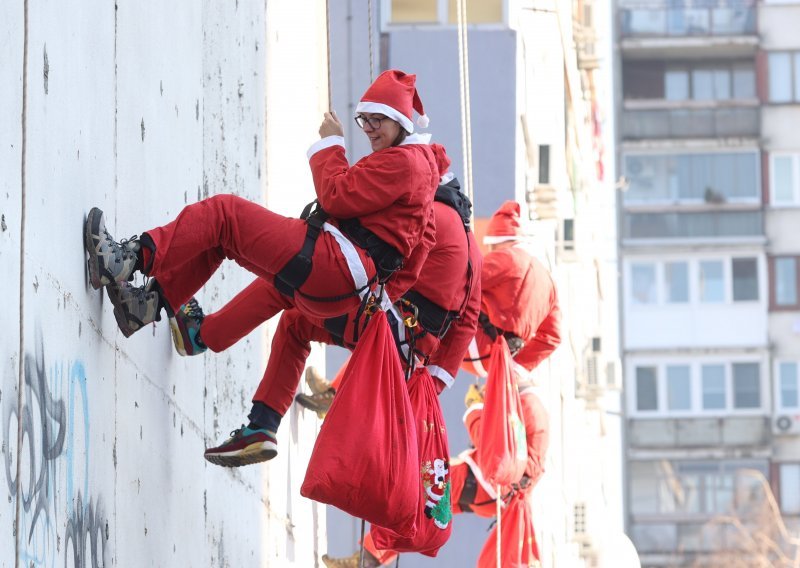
column 434, row 512
column 365, row 458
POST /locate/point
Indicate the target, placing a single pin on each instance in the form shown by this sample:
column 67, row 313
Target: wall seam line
column 21, row 357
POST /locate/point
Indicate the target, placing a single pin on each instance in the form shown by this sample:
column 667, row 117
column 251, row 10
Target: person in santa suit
column 375, row 225
column 444, row 301
column 519, row 298
column 519, row 301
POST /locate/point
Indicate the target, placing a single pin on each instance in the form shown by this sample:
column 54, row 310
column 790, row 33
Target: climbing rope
column 466, row 127
column 369, row 31
column 328, row 52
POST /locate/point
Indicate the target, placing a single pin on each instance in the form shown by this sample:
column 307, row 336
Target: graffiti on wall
column 53, row 465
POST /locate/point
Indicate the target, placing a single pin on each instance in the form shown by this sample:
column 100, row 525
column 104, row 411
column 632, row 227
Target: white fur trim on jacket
column 437, row 372
column 477, row 364
column 472, row 408
column 323, row 143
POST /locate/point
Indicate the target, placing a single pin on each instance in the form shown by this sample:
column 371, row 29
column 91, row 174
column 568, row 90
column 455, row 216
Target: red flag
column 365, row 458
column 503, row 447
column 434, row 511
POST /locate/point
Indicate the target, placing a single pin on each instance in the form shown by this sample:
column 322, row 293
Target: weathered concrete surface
column 141, row 108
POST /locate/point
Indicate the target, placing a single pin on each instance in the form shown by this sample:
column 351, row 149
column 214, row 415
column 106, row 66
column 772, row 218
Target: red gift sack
column 365, row 458
column 504, row 448
column 518, row 548
column 434, row 512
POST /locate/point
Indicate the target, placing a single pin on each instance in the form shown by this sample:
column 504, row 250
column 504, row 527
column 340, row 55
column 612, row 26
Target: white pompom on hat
column 394, row 94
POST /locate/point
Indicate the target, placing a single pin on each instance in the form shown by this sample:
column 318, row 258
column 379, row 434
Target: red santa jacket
column 518, row 295
column 390, row 191
column 537, row 431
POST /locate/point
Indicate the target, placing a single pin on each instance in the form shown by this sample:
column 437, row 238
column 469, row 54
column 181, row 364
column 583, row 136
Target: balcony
column 648, row 19
column 664, row 123
column 693, row 225
column 751, row 431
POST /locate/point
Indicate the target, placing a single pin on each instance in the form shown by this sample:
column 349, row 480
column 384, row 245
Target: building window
column 746, row 385
column 643, row 278
column 434, row 11
column 646, row 388
column 745, row 279
column 544, row 163
column 721, row 81
column 785, row 179
column 713, row 387
column 713, row 178
column 784, row 282
column 679, row 387
column 668, row 388
column 789, row 474
column 788, row 384
column 712, row 281
column 784, row 76
column 676, row 282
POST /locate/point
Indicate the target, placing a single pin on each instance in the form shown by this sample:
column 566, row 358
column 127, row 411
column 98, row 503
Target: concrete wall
column 141, row 108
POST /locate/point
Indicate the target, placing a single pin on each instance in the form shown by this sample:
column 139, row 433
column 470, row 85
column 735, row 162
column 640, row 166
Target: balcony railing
column 656, row 19
column 708, row 224
column 642, row 124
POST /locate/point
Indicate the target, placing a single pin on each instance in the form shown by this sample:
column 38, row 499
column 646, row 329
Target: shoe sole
column 177, row 337
column 92, row 227
column 254, row 453
column 302, row 401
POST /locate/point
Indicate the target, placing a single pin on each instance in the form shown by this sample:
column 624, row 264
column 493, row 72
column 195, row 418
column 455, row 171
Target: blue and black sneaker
column 185, row 327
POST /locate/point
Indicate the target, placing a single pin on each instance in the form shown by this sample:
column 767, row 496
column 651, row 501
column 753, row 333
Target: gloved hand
column 474, row 395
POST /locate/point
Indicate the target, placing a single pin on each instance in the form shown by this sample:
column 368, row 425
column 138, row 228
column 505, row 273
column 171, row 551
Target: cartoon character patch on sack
column 436, row 480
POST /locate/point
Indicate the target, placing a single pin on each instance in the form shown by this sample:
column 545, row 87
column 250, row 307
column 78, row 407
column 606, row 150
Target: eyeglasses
column 374, row 122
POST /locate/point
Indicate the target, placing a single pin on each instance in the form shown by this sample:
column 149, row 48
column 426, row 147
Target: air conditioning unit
column 786, row 424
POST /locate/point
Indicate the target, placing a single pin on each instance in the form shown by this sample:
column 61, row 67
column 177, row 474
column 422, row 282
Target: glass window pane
column 478, row 11
column 790, row 488
column 796, row 74
column 646, row 388
column 746, row 385
column 783, row 179
column 679, row 387
column 745, row 279
column 643, row 277
column 744, row 82
column 712, row 285
column 786, row 281
column 702, row 84
column 780, row 77
column 788, row 384
column 676, row 85
column 413, row 11
column 722, row 84
column 676, row 282
column 713, row 386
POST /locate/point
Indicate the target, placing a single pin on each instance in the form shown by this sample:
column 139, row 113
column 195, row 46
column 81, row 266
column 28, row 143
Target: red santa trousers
column 191, row 248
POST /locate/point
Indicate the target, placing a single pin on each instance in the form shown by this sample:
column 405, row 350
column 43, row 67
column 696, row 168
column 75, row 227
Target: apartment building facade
column 708, row 270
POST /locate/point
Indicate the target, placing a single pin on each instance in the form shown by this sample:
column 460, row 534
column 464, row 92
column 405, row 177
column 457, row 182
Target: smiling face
column 384, row 136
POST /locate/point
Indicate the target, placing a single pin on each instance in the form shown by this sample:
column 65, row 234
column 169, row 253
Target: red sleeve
column 546, row 340
column 537, row 430
column 346, row 191
column 454, row 345
column 472, row 420
column 404, row 279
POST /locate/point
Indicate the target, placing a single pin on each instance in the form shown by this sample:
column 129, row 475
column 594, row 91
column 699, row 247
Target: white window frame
column 675, row 200
column 694, row 282
column 795, row 156
column 696, row 409
column 776, row 369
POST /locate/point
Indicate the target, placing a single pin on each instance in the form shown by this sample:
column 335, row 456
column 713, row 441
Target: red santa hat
column 505, row 225
column 394, row 94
